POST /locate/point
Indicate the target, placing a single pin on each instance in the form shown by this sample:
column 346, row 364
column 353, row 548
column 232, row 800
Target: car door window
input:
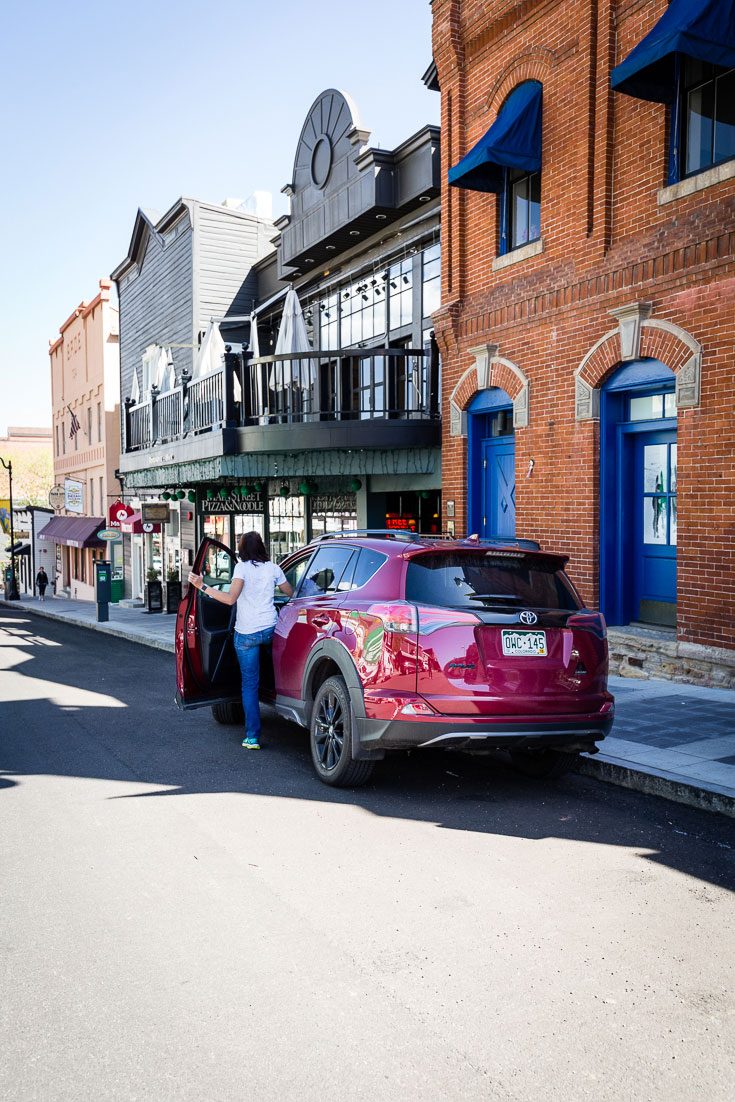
column 217, row 568
column 295, row 572
column 325, row 572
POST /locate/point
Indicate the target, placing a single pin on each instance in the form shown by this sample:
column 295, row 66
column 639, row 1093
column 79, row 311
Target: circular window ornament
column 321, row 161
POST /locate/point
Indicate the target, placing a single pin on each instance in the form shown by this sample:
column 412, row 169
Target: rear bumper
column 500, row 733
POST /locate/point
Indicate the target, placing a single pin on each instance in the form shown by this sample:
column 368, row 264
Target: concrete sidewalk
column 155, row 629
column 670, row 739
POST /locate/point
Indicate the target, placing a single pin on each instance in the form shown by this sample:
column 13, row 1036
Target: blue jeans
column 247, row 648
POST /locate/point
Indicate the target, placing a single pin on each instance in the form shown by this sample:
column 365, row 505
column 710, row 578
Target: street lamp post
column 12, row 594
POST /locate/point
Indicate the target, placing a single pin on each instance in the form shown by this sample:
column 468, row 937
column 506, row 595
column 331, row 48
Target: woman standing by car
column 253, row 583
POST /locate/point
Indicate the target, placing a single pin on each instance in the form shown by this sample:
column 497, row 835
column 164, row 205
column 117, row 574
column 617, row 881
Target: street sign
column 56, row 497
column 111, row 535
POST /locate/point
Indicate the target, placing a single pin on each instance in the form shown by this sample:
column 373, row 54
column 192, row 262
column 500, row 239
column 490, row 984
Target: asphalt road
column 183, row 919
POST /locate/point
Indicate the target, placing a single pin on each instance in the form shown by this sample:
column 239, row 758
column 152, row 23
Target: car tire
column 331, row 738
column 230, row 714
column 543, row 764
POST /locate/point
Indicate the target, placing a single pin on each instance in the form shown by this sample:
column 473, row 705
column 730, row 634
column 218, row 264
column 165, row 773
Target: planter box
column 173, row 596
column 154, row 596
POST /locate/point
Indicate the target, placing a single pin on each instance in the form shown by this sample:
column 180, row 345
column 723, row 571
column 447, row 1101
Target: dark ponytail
column 251, row 548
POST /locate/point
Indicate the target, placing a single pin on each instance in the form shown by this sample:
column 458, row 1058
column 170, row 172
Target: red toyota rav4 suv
column 395, row 642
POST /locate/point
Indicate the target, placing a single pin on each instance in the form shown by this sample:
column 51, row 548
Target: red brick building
column 588, row 299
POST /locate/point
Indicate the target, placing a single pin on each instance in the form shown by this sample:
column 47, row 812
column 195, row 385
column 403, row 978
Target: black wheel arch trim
column 336, row 652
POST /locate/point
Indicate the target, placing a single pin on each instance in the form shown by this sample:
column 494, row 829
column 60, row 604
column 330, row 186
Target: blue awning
column 513, row 141
column 704, row 29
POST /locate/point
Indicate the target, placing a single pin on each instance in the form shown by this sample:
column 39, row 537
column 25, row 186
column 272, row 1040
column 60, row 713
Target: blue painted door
column 499, row 486
column 654, row 525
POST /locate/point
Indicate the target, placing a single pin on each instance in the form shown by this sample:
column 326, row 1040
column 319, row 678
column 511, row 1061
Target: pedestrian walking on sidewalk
column 42, row 582
column 253, row 584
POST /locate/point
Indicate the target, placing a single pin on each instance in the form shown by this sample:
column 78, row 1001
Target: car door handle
column 321, row 620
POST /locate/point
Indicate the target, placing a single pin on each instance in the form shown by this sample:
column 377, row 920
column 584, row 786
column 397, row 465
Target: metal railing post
column 230, row 417
column 153, row 414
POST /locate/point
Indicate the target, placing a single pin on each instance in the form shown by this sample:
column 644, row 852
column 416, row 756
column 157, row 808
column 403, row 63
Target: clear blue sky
column 111, row 107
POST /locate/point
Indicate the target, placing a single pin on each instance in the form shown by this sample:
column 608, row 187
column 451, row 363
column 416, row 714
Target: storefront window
column 287, row 525
column 414, row 510
column 400, row 289
column 363, row 311
column 248, row 522
column 154, row 553
column 117, row 562
column 329, row 323
column 431, row 289
column 333, row 513
column 217, row 527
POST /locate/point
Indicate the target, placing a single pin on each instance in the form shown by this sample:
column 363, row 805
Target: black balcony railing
column 343, row 385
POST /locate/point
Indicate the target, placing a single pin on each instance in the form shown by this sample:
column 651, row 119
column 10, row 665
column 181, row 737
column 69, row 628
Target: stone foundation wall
column 641, row 654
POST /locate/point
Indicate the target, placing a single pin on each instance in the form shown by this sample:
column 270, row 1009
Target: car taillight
column 397, row 616
column 589, row 621
column 432, row 618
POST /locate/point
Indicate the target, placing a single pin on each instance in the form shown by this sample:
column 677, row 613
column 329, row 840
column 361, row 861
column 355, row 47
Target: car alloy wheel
column 331, row 737
column 330, row 734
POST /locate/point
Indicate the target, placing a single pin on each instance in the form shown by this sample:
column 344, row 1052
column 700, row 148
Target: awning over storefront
column 20, row 547
column 73, row 531
column 513, row 141
column 134, row 526
column 703, row 29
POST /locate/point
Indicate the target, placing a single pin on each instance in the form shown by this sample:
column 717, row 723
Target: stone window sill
column 696, row 183
column 517, row 255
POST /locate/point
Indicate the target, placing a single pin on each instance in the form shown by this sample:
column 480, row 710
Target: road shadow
column 80, row 704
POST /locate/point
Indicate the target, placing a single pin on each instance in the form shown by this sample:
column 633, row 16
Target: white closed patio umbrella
column 292, row 338
column 211, row 355
column 165, row 374
column 135, row 388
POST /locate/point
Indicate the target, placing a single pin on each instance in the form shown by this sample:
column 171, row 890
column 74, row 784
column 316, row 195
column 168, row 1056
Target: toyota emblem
column 528, row 617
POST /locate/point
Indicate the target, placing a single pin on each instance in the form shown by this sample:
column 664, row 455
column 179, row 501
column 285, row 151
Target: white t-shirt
column 255, row 608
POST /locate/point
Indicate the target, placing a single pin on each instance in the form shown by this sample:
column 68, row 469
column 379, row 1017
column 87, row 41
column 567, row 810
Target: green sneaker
column 251, row 744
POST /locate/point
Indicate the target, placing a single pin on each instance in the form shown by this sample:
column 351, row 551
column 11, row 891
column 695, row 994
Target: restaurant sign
column 56, row 497
column 233, row 503
column 333, row 503
column 119, row 512
column 73, row 496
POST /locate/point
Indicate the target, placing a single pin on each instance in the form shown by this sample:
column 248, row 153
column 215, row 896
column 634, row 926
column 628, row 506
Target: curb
column 667, row 785
column 106, row 628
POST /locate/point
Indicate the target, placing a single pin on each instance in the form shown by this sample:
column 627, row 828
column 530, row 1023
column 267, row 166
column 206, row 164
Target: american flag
column 74, row 427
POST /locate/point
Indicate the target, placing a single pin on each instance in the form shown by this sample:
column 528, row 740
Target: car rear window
column 485, row 580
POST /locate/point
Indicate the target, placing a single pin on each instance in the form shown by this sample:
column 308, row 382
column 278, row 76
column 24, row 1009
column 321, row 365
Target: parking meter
column 11, row 589
column 102, row 588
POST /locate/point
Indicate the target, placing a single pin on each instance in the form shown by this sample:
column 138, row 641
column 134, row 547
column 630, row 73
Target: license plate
column 523, row 643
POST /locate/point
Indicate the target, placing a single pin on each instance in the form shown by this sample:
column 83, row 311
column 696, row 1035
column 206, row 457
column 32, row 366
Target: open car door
column 207, row 670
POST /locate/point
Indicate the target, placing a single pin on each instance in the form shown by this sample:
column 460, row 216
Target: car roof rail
column 371, row 533
column 504, row 541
